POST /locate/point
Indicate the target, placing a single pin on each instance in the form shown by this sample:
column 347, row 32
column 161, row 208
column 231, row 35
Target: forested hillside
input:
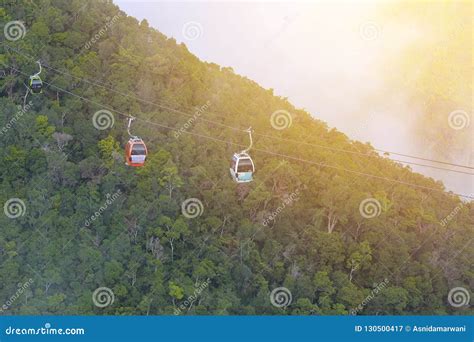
column 344, row 230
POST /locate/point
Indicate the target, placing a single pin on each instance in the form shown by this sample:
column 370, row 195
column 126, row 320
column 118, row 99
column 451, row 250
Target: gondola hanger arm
column 40, row 69
column 249, row 131
column 130, row 119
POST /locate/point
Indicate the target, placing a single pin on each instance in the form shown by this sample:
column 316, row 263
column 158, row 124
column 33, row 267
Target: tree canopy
column 89, row 221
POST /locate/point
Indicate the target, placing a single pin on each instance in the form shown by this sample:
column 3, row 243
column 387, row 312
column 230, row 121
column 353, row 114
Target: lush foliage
column 141, row 246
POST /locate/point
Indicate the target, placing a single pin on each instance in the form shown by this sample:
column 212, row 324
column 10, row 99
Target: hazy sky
column 299, row 49
column 329, row 58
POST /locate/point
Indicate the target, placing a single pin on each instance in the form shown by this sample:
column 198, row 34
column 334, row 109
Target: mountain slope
column 91, row 222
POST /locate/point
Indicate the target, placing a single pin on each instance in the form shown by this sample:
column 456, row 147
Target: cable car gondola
column 135, row 150
column 36, row 84
column 242, row 166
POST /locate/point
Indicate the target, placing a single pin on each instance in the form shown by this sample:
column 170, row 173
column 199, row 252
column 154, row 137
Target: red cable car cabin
column 135, row 152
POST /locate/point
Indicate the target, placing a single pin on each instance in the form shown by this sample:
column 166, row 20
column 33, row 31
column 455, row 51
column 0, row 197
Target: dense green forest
column 84, row 221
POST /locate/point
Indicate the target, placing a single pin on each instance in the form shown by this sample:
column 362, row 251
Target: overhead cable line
column 100, row 84
column 312, row 162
